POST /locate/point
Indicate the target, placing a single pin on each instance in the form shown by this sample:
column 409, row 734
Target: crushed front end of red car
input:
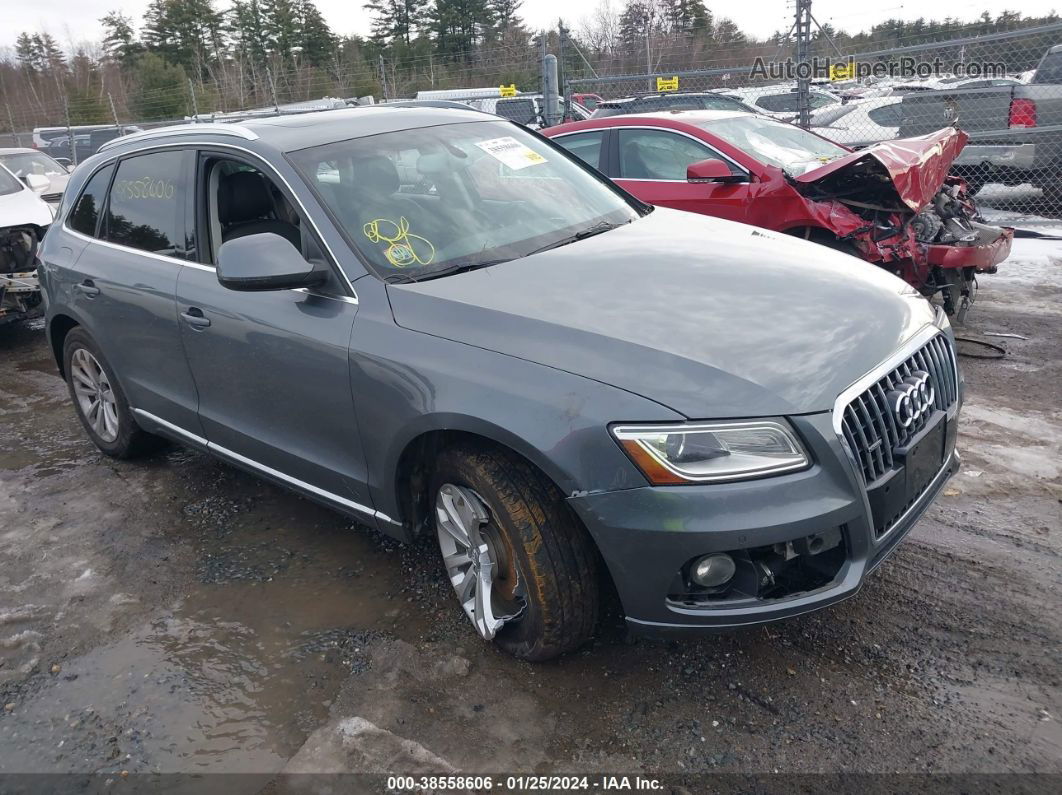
column 895, row 203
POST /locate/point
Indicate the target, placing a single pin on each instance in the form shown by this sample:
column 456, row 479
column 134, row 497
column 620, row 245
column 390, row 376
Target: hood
column 916, row 167
column 710, row 318
column 23, row 207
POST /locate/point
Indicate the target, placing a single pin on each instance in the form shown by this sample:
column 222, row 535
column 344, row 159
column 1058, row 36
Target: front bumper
column 646, row 535
column 982, row 258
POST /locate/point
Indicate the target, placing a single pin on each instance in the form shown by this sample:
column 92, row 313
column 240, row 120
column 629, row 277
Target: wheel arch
column 59, row 327
column 413, row 460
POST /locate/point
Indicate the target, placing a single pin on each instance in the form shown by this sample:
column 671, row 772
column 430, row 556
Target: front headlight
column 941, row 319
column 709, row 452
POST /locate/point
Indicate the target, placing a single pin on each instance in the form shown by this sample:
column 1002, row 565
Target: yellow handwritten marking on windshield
column 403, row 248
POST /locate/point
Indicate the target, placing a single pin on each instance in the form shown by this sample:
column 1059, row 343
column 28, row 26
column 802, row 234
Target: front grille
column 868, row 425
column 52, row 197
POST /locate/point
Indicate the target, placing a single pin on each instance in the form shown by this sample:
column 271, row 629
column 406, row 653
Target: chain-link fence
column 1004, row 89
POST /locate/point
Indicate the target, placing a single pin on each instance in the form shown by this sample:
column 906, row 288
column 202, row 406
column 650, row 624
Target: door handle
column 88, row 288
column 194, row 318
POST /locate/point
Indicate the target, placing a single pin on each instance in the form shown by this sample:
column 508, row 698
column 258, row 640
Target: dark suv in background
column 437, row 321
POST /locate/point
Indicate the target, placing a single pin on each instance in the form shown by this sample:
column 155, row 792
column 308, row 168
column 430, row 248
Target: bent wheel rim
column 94, row 395
column 471, row 553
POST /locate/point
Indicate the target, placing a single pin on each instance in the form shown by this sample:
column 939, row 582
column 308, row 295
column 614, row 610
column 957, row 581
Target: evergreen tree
column 119, row 41
column 184, row 32
column 246, row 29
column 161, row 91
column 396, row 20
column 318, row 40
column 457, row 26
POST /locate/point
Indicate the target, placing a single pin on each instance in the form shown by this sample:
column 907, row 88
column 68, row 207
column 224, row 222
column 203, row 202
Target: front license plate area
column 896, row 491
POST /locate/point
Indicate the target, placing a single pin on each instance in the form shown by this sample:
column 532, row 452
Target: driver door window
column 659, row 155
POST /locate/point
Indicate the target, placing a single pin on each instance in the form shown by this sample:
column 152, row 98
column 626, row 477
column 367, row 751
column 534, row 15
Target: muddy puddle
column 231, row 677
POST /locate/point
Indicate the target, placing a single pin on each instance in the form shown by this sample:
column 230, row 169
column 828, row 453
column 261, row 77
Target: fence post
column 69, row 132
column 273, row 90
column 803, row 39
column 549, row 94
column 11, row 123
column 195, row 105
column 114, row 114
column 383, row 78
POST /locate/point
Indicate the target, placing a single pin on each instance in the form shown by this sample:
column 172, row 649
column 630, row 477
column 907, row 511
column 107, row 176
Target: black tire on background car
column 99, row 402
column 525, row 542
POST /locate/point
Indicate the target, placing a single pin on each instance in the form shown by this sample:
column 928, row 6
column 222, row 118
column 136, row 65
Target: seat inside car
column 246, row 206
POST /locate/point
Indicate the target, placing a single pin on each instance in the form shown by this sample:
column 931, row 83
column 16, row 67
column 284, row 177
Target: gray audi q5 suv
column 438, row 321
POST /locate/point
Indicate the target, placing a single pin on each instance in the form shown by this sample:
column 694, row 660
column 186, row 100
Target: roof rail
column 185, row 129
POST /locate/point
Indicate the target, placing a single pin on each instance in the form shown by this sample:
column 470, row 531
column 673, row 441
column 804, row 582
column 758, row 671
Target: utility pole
column 802, row 26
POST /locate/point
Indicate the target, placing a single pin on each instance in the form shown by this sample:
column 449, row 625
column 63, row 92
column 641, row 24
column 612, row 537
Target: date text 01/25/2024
column 521, row 783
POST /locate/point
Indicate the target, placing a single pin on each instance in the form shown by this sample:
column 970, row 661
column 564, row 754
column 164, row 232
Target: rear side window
column 85, row 216
column 777, row 103
column 1050, row 69
column 522, row 111
column 886, row 115
column 145, row 204
column 586, row 146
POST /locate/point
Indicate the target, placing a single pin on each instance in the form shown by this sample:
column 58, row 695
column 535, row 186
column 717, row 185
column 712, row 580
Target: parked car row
column 465, row 330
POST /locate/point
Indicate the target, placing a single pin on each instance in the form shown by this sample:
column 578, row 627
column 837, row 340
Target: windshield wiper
column 582, row 234
column 458, row 267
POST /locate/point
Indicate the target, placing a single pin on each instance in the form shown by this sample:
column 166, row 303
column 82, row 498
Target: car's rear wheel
column 524, row 569
column 99, row 401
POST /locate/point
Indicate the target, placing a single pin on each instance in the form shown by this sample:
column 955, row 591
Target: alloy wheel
column 477, row 562
column 95, row 397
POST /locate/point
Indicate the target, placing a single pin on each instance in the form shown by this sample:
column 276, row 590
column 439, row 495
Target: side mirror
column 265, row 261
column 38, row 183
column 711, row 170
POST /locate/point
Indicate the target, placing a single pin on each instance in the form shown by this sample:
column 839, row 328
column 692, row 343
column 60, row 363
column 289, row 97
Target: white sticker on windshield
column 511, row 152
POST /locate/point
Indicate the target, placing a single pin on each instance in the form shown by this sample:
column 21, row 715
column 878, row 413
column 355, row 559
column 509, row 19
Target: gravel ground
column 178, row 615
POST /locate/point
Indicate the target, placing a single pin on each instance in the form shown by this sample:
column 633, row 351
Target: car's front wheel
column 99, row 401
column 524, row 569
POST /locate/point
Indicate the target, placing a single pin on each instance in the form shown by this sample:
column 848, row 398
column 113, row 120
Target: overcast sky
column 76, row 21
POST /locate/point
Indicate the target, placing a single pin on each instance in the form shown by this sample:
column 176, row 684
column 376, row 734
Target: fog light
column 713, row 570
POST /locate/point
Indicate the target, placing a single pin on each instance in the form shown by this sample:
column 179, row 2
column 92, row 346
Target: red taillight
column 1022, row 113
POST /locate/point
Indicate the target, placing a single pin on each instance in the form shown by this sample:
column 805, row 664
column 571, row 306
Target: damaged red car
column 892, row 204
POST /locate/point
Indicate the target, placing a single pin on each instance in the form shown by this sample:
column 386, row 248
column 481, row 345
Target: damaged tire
column 523, row 567
column 99, row 402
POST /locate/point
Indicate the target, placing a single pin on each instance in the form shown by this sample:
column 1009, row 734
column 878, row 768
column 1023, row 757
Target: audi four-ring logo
column 911, row 398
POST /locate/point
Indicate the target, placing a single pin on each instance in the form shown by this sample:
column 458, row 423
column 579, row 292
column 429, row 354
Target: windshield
column 8, row 183
column 432, row 199
column 22, row 164
column 775, row 143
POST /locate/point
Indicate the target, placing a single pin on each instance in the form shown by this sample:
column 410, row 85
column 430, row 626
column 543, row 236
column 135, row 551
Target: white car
column 22, row 162
column 24, row 217
column 781, row 101
column 860, row 123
